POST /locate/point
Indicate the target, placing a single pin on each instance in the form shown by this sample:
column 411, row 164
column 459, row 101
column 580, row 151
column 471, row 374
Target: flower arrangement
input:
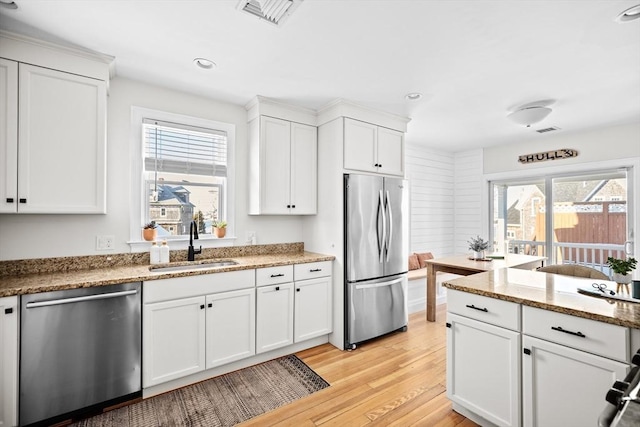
column 220, row 224
column 150, row 225
column 149, row 231
column 220, row 228
column 478, row 244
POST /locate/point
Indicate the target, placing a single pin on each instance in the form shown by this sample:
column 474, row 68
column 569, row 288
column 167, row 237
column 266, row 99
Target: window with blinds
column 185, row 170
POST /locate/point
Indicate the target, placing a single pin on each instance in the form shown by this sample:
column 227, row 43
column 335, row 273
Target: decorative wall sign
column 563, row 153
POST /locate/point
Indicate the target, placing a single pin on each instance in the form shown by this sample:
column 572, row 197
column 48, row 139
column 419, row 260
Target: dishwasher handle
column 80, row 299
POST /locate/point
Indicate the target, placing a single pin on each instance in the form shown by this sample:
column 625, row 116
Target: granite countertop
column 550, row 292
column 45, row 275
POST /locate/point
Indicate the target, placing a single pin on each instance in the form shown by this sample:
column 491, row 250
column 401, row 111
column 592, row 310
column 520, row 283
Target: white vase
column 621, row 278
column 478, row 254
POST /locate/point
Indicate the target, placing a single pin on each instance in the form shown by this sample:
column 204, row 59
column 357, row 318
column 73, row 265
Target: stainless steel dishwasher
column 79, row 351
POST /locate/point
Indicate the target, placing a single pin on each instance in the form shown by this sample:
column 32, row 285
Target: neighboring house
column 172, row 211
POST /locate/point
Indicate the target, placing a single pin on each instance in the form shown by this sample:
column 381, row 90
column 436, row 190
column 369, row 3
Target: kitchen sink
column 201, row 265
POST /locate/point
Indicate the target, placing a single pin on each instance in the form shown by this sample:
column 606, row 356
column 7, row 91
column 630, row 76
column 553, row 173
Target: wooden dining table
column 465, row 266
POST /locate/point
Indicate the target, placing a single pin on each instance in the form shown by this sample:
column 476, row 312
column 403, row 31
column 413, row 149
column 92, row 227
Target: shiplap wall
column 431, row 181
column 468, row 211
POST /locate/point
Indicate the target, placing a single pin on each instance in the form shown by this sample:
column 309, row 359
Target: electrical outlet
column 250, row 238
column 104, row 243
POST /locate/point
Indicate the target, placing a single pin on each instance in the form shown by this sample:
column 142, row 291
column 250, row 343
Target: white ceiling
column 472, row 60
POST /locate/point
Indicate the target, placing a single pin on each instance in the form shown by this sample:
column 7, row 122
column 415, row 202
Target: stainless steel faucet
column 193, row 234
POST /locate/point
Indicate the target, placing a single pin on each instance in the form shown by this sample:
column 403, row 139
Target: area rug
column 222, row 401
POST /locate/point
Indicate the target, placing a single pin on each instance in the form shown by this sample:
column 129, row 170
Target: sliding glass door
column 579, row 219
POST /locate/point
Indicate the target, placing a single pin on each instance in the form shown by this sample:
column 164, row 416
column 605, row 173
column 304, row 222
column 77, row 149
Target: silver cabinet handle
column 80, row 299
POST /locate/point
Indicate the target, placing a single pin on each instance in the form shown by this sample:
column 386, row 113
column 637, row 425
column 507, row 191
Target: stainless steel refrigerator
column 376, row 254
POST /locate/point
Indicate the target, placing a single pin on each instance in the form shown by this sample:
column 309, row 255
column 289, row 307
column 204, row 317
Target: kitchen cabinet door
column 390, row 153
column 563, row 386
column 360, row 146
column 231, row 326
column 483, row 369
column 275, row 165
column 62, row 142
column 304, row 169
column 8, row 136
column 173, row 340
column 312, row 308
column 9, row 361
column 274, row 317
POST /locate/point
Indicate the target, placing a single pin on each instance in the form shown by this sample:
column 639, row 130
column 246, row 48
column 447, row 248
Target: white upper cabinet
column 283, row 168
column 8, row 135
column 372, row 148
column 52, row 132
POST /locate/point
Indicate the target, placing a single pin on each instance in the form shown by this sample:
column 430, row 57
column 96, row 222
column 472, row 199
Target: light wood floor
column 397, row 380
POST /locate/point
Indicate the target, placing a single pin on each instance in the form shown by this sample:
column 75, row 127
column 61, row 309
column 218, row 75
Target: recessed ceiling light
column 630, row 14
column 8, row 4
column 204, row 63
column 413, row 96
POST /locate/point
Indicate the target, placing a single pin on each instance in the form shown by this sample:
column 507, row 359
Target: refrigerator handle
column 387, row 206
column 381, row 239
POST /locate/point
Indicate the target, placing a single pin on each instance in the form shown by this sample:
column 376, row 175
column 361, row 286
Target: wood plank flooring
column 397, row 380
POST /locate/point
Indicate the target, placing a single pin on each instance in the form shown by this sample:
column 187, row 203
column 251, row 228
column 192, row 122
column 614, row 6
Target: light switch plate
column 250, row 238
column 104, row 243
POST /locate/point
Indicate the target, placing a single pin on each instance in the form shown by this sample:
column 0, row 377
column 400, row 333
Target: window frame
column 632, row 166
column 137, row 206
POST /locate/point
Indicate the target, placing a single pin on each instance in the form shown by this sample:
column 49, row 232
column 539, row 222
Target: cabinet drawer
column 490, row 310
column 274, row 275
column 595, row 337
column 312, row 270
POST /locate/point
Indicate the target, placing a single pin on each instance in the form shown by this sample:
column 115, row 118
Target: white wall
column 470, row 212
column 431, row 181
column 40, row 236
column 615, row 142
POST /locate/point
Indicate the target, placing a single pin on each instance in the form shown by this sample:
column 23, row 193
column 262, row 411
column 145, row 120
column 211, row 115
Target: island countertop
column 550, row 292
column 114, row 270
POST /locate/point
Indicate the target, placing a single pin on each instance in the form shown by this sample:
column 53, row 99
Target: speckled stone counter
column 550, row 292
column 53, row 274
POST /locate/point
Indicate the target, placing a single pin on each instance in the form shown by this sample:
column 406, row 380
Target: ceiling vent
column 545, row 130
column 274, row 12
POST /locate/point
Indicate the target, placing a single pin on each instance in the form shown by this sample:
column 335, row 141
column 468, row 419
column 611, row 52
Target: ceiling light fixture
column 413, row 96
column 531, row 113
column 7, row 4
column 204, row 63
column 630, row 14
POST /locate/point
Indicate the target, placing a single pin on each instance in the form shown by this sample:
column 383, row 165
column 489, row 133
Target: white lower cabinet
column 231, row 327
column 9, row 361
column 187, row 328
column 274, row 317
column 174, row 339
column 563, row 386
column 483, row 369
column 312, row 303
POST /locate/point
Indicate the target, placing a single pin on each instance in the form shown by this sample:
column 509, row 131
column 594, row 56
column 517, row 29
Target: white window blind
column 176, row 148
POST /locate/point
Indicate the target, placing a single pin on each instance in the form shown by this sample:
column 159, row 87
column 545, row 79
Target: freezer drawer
column 375, row 307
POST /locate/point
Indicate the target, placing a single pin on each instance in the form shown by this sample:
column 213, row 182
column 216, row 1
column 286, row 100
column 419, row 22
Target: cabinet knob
column 210, row 305
column 288, row 206
column 8, row 310
column 202, row 307
column 527, row 351
column 293, row 206
column 9, row 199
column 277, row 288
column 23, row 200
column 297, row 289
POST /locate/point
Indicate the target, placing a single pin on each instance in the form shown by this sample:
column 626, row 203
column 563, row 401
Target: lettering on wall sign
column 563, row 153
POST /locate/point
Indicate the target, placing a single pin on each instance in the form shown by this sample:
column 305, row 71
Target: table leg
column 431, row 293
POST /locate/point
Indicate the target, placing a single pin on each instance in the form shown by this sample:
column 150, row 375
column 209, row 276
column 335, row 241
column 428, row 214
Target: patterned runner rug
column 222, row 401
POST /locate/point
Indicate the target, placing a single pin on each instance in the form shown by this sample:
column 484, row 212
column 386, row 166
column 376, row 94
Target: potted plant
column 149, row 231
column 620, row 268
column 220, row 228
column 478, row 245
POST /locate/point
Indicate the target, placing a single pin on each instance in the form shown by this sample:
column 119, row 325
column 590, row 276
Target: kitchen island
column 520, row 342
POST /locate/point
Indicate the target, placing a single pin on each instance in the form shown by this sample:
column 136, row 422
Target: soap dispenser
column 164, row 252
column 154, row 254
